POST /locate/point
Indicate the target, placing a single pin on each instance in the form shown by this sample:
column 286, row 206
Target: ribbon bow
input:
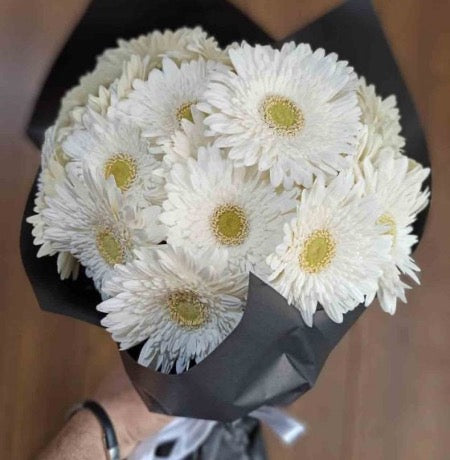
column 188, row 434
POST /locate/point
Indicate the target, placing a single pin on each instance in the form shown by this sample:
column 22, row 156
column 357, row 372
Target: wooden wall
column 385, row 393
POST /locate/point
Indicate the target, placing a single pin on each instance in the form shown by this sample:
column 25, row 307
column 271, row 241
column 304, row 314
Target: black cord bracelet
column 110, row 438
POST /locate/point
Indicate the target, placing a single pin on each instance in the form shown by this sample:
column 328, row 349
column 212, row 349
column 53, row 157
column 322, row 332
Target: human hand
column 131, row 419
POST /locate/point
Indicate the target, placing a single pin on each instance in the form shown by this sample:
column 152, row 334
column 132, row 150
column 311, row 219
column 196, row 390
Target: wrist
column 126, row 438
column 81, row 437
column 84, row 424
column 113, row 439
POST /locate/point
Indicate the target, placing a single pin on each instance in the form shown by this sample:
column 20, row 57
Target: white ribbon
column 188, row 434
column 288, row 428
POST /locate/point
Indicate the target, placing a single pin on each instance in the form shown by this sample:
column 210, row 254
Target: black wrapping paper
column 271, row 357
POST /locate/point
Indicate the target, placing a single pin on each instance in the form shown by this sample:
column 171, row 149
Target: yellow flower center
column 124, row 169
column 282, row 115
column 229, row 224
column 110, row 247
column 185, row 112
column 317, row 252
column 186, row 308
column 388, row 221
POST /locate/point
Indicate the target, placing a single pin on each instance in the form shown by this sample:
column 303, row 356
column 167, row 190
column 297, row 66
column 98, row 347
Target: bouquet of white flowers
column 235, row 210
column 176, row 168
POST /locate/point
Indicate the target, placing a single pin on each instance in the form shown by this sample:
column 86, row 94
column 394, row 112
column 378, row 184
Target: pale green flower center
column 282, row 115
column 317, row 252
column 388, row 221
column 123, row 168
column 229, row 224
column 110, row 247
column 186, row 308
column 184, row 112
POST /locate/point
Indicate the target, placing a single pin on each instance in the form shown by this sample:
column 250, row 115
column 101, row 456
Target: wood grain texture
column 385, row 391
column 47, row 362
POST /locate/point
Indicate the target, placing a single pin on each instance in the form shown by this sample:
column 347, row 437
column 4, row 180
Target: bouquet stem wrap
column 188, row 435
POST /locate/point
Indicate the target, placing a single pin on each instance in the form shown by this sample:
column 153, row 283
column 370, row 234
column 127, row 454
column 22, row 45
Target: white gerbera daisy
column 183, row 307
column 381, row 116
column 52, row 173
column 380, row 136
column 78, row 96
column 159, row 104
column 291, row 111
column 333, row 251
column 91, row 219
column 213, row 205
column 105, row 101
column 182, row 44
column 116, row 149
column 397, row 186
column 186, row 142
column 137, row 68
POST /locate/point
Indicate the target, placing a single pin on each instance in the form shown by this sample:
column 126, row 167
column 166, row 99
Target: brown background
column 385, row 393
